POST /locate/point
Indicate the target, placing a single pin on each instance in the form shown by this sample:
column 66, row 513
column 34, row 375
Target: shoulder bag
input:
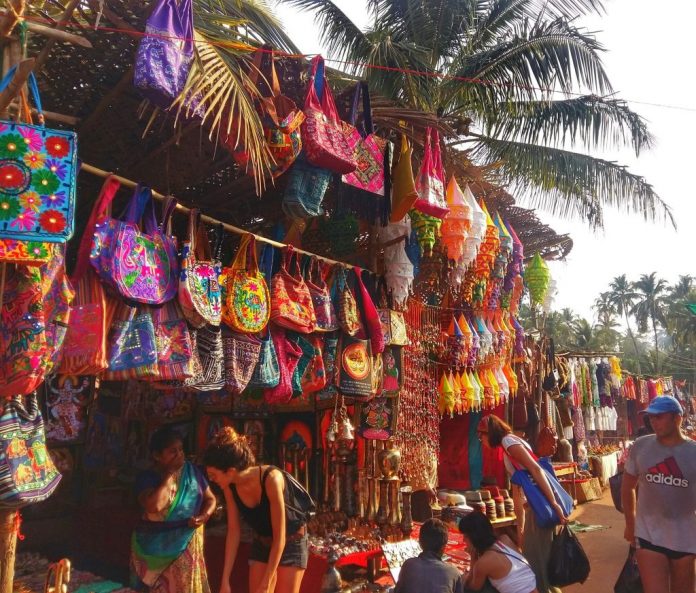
column 327, row 320
column 241, row 357
column 430, row 183
column 404, row 194
column 291, row 303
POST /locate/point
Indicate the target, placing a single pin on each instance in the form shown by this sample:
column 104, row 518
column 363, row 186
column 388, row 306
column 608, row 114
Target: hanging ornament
column 399, row 277
column 393, row 236
column 430, row 183
column 456, row 345
column 537, row 278
column 455, row 226
column 446, row 400
column 457, row 387
column 550, row 296
column 514, row 269
column 427, row 230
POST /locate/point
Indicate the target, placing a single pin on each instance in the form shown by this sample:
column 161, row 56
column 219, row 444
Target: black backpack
column 299, row 506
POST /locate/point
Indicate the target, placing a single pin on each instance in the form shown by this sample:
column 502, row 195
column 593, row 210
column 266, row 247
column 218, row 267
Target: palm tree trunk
column 633, row 339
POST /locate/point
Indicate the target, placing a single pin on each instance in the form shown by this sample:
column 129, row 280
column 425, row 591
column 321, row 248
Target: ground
column 606, row 549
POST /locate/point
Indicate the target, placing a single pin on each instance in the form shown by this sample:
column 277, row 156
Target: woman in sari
column 167, row 545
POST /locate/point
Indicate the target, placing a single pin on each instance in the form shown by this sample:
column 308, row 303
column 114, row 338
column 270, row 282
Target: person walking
column 259, row 495
column 535, row 540
column 428, row 572
column 662, row 525
column 494, row 559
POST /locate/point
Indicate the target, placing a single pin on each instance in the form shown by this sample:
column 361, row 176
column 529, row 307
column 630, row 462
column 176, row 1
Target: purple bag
column 165, row 53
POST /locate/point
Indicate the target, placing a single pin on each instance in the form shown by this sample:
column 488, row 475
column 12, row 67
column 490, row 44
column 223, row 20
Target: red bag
column 325, row 145
column 430, row 183
column 371, row 316
column 288, row 354
column 291, row 302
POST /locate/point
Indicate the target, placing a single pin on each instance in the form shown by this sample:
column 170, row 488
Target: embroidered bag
column 211, row 373
column 67, row 401
column 38, row 170
column 241, row 357
column 314, row 377
column 392, row 322
column 404, row 194
column 329, row 360
column 348, row 314
column 430, row 183
column 280, row 117
column 322, row 133
column 199, row 286
column 393, row 372
column 369, row 314
column 23, row 346
column 267, row 372
column 291, row 303
column 26, row 253
column 27, row 473
column 305, row 190
column 307, row 349
column 327, row 320
column 174, row 344
column 289, row 354
column 165, row 52
column 132, row 345
column 355, row 377
column 247, row 305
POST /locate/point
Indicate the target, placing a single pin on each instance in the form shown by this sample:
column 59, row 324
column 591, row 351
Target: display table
column 568, row 469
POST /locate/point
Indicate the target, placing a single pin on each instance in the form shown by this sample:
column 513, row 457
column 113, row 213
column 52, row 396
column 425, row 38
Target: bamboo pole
column 59, row 35
column 87, row 168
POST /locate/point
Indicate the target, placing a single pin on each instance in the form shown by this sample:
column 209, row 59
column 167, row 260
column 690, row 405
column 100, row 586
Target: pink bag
column 370, row 316
column 322, row 131
column 430, row 183
column 289, row 354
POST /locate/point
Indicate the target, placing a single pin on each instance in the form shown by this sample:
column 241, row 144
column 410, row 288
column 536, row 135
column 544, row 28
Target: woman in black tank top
column 256, row 494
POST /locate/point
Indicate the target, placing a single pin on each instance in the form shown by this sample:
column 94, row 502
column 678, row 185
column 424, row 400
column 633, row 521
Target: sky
column 648, row 59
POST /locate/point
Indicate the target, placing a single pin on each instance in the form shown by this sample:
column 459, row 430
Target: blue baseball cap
column 663, row 404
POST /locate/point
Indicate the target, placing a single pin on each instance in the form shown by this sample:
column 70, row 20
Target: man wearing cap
column 663, row 525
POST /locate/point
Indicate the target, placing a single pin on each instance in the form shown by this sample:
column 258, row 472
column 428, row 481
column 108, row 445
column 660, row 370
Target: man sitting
column 428, row 573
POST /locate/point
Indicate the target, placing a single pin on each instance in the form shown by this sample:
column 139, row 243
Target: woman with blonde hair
column 259, row 495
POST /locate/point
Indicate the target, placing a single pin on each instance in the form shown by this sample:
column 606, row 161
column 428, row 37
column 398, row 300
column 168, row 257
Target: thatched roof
column 116, row 134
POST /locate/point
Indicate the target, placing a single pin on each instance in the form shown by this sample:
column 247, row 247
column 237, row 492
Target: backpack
column 299, row 505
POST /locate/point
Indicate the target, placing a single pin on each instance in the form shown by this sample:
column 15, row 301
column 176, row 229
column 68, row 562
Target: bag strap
column 101, row 208
column 217, row 244
column 240, row 259
column 319, row 87
column 168, row 210
column 252, row 264
column 33, row 89
column 203, row 251
column 136, row 206
column 257, row 68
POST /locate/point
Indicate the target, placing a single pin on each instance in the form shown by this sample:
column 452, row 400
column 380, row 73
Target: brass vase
column 406, row 517
column 389, row 461
column 383, row 512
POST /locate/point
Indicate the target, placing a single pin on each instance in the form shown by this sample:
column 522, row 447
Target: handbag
column 629, row 579
column 322, row 134
column 165, row 52
column 210, row 373
column 348, row 314
column 308, row 352
column 404, row 193
column 289, row 354
column 291, row 303
column 355, row 368
column 545, row 515
column 314, row 377
column 366, row 191
column 430, row 183
column 327, row 319
column 280, row 118
column 26, row 253
column 615, row 485
column 174, row 344
column 393, row 373
column 27, row 473
column 241, row 357
column 392, row 322
column 366, row 306
column 134, row 255
column 247, row 304
column 199, row 286
column 305, row 189
column 132, row 345
column 38, row 171
column 267, row 372
column 330, row 367
column 568, row 562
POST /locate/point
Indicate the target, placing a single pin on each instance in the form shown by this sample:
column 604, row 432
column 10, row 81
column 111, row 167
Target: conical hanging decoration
column 536, row 278
column 446, row 400
column 389, row 236
column 455, row 226
column 427, row 230
column 399, row 276
column 477, row 229
column 457, row 388
column 550, row 294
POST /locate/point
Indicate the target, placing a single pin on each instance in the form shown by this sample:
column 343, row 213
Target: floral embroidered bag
column 247, row 306
column 174, row 344
column 38, row 170
column 322, row 132
column 26, row 253
column 27, row 473
column 199, row 285
column 430, row 182
column 291, row 303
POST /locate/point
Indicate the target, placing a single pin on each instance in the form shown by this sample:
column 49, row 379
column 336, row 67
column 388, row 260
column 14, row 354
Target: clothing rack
column 91, row 169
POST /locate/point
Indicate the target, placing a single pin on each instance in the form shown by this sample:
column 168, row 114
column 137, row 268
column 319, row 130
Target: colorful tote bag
column 199, row 286
column 289, row 354
column 327, row 320
column 322, row 132
column 38, row 171
column 210, row 375
column 241, row 357
column 247, row 305
column 23, row 346
column 291, row 303
column 303, row 364
column 430, row 183
column 314, row 376
column 404, row 193
column 165, row 52
column 369, row 314
column 132, row 345
column 27, row 473
column 355, row 378
column 348, row 314
column 330, row 367
column 174, row 344
column 26, row 253
column 267, row 372
column 305, row 189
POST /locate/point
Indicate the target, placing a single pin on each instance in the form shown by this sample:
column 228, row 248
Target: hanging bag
column 348, row 314
column 27, row 473
column 327, row 320
column 132, row 345
column 305, row 190
column 165, row 52
column 314, row 377
column 369, row 314
column 291, row 303
column 568, row 562
column 289, row 354
column 355, row 378
column 199, row 286
column 322, row 133
column 430, row 183
column 174, row 344
column 267, row 372
column 404, row 193
column 241, row 357
column 247, row 306
column 38, row 171
column 629, row 578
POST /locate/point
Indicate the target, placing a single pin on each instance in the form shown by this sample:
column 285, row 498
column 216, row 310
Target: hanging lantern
column 456, row 345
column 537, row 278
column 393, row 236
column 477, row 228
column 455, row 227
column 427, row 230
column 399, row 275
column 550, row 295
column 446, row 399
column 514, row 269
column 457, row 388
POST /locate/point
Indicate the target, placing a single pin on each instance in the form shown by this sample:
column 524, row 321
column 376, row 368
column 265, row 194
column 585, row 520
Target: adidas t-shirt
column 666, row 512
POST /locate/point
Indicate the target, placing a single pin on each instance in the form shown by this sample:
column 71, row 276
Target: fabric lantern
column 430, row 183
column 550, row 296
column 467, row 392
column 446, row 399
column 457, row 387
column 455, row 226
column 514, row 269
column 399, row 275
column 537, row 278
column 427, row 230
column 389, row 236
column 456, row 345
column 477, row 228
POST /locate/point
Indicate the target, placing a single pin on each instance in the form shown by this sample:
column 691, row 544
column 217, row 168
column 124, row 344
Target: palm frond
column 569, row 183
column 594, row 121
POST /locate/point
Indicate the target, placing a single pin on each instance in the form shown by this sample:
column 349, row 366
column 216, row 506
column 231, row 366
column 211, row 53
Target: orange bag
column 291, row 302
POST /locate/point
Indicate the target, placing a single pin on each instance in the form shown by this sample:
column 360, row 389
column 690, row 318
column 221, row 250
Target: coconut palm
column 650, row 307
column 606, row 336
column 520, row 82
column 584, row 336
column 622, row 297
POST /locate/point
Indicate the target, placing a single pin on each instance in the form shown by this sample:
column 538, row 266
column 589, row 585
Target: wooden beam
column 62, row 20
column 175, row 137
column 10, row 19
column 24, row 68
column 93, row 118
column 112, row 16
column 58, row 35
column 50, row 115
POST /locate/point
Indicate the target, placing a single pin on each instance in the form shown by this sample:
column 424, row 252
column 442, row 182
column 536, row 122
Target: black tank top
column 258, row 517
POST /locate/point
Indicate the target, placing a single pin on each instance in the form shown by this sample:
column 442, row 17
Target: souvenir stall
column 320, row 274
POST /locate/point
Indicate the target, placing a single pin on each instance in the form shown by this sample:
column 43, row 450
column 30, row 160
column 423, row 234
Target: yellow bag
column 404, row 194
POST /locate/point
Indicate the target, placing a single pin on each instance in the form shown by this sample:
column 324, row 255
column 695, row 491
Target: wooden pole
column 8, row 545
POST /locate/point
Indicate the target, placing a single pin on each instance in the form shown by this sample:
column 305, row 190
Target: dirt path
column 606, row 549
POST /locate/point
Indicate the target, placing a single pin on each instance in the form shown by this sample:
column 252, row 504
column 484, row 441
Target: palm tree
column 622, row 297
column 584, row 335
column 606, row 337
column 651, row 305
column 490, row 68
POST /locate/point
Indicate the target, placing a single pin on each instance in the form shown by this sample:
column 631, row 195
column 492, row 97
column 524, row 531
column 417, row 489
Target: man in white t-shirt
column 663, row 523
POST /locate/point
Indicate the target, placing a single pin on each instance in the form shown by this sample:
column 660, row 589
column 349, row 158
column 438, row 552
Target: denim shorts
column 644, row 544
column 295, row 553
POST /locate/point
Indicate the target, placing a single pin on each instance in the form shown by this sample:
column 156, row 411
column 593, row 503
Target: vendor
column 167, row 545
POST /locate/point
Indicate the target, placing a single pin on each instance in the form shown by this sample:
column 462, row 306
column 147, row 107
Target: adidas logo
column 668, row 473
